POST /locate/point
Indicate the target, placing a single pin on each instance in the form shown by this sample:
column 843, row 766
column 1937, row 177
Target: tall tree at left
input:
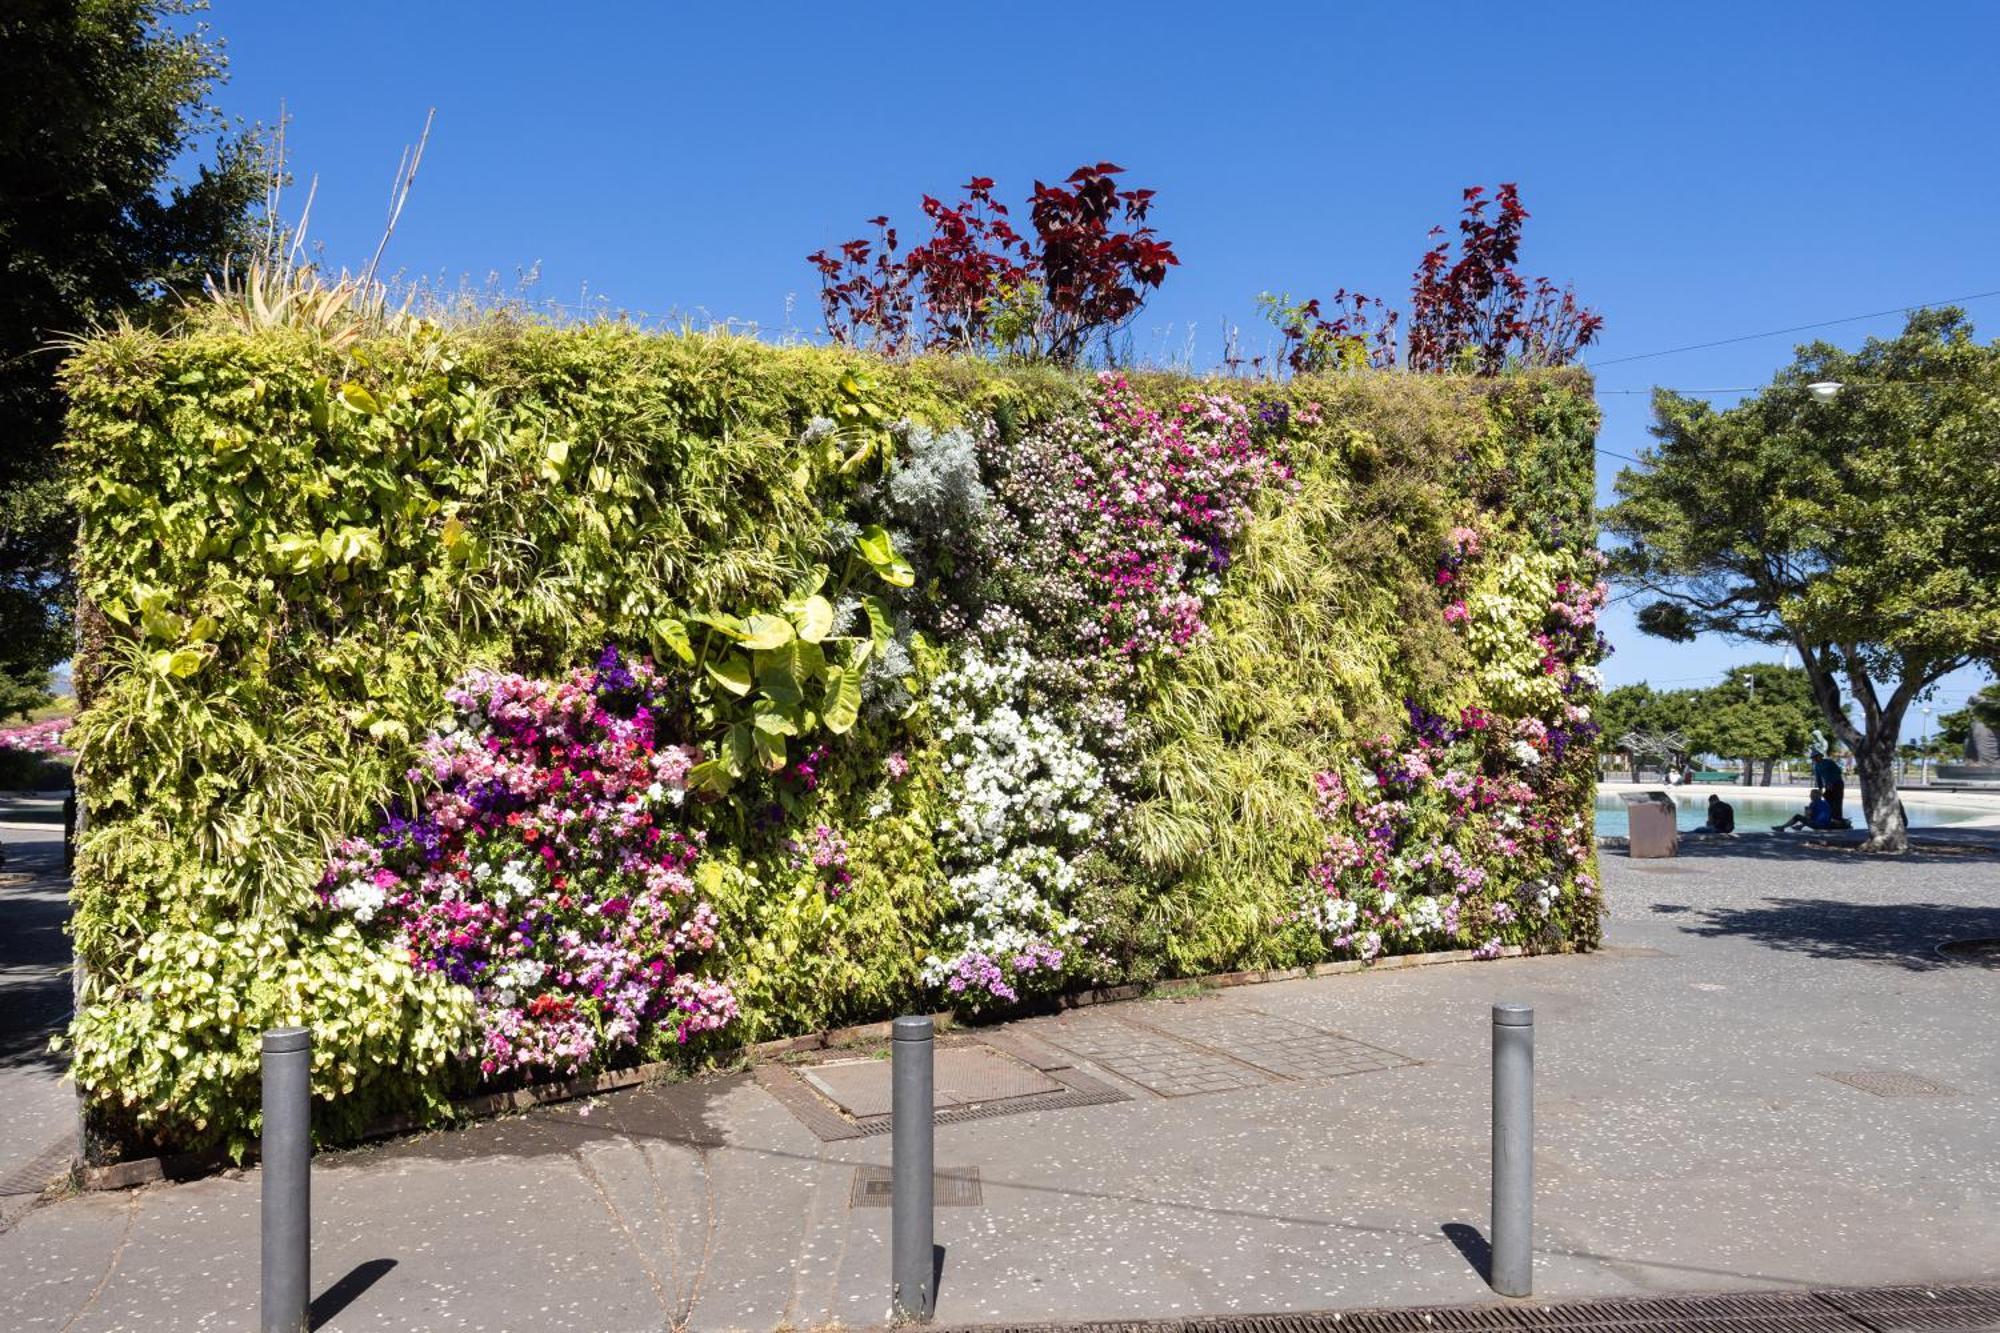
column 121, row 184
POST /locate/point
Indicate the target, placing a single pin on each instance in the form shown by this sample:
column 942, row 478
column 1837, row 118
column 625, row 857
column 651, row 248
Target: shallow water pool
column 1757, row 814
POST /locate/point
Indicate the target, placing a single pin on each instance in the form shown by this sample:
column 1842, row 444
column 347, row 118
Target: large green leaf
column 815, row 618
column 764, row 631
column 842, row 706
column 671, row 636
column 778, row 681
column 732, row 673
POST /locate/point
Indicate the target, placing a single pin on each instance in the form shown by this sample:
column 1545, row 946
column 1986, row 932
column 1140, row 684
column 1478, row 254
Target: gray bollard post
column 912, row 1129
column 1513, row 1149
column 287, row 1168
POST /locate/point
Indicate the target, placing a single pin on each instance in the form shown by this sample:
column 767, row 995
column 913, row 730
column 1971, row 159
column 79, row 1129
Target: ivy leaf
column 179, row 662
column 732, row 673
column 359, row 399
column 766, row 632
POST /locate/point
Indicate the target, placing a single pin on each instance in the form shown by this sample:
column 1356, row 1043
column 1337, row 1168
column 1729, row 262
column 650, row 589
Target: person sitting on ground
column 1818, row 815
column 1721, row 816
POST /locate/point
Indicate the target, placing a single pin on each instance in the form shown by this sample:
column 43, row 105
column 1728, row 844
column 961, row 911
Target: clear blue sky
column 1697, row 170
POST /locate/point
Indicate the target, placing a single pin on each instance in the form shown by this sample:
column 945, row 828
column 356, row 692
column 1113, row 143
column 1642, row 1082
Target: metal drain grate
column 41, row 1171
column 1877, row 1310
column 830, row 1126
column 1901, row 1309
column 1775, row 1312
column 1891, row 1083
column 951, row 1187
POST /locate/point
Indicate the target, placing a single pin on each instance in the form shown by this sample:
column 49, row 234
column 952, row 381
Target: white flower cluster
column 1021, row 789
column 361, row 898
column 517, row 976
column 1335, row 916
column 1020, row 776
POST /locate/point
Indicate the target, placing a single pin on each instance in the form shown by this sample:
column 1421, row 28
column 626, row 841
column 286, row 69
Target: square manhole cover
column 1891, row 1083
column 962, row 1076
column 951, row 1187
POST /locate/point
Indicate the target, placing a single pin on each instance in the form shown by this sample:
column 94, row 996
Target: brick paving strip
column 1968, row 1308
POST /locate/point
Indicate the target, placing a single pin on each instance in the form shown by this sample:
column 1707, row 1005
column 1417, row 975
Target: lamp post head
column 1825, row 391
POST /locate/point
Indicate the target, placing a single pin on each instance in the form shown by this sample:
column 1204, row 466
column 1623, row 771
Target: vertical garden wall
column 509, row 701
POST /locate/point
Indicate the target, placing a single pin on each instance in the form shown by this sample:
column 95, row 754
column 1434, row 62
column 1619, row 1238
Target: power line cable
column 1796, row 328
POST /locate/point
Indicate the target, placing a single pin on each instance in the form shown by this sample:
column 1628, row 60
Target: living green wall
column 296, row 539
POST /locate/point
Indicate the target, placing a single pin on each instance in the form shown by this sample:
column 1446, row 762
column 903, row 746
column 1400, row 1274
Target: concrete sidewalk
column 1298, row 1146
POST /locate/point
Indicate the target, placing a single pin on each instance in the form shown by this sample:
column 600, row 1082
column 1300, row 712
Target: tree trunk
column 1749, row 772
column 1767, row 772
column 1875, row 758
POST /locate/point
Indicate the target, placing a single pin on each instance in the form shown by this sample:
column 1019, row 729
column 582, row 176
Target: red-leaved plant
column 1473, row 314
column 1478, row 313
column 1082, row 274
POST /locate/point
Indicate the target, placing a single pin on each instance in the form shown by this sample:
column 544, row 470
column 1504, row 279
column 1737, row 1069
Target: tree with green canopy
column 1858, row 525
column 1758, row 713
column 1645, row 723
column 106, row 101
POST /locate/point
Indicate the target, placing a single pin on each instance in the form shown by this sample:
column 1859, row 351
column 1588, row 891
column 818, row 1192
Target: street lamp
column 1925, row 745
column 1825, row 391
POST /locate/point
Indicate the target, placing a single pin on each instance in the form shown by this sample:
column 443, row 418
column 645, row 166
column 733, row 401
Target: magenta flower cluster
column 1132, row 513
column 544, row 869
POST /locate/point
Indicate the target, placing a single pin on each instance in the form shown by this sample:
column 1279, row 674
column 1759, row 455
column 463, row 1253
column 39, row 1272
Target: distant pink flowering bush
column 39, row 738
column 543, row 870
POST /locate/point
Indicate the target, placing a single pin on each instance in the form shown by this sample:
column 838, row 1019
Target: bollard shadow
column 1468, row 1242
column 346, row 1291
column 937, row 1273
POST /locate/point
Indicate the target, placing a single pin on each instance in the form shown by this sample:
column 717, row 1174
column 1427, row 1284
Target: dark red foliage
column 1092, row 257
column 973, row 254
column 866, row 304
column 1092, row 276
column 1477, row 312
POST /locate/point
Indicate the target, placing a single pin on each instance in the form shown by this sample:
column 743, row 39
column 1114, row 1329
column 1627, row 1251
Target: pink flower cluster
column 826, row 851
column 1133, row 513
column 543, row 870
column 39, row 738
column 1416, row 851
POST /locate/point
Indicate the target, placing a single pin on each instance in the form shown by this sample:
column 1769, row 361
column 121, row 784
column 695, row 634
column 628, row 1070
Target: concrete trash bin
column 1655, row 824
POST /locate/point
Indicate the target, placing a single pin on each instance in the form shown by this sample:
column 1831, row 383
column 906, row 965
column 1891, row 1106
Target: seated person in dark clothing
column 1721, row 816
column 1818, row 815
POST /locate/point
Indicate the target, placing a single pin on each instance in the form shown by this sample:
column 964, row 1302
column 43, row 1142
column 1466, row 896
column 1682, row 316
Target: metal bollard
column 1513, row 1149
column 912, row 1127
column 287, row 1167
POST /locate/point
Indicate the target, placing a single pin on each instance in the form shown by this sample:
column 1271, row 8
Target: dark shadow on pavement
column 1904, row 934
column 34, row 953
column 1470, row 1243
column 1944, row 845
column 346, row 1291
